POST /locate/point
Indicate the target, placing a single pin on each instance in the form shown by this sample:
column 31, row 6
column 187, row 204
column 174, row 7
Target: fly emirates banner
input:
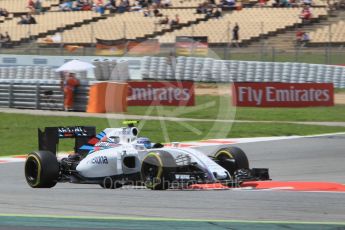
column 282, row 94
column 161, row 93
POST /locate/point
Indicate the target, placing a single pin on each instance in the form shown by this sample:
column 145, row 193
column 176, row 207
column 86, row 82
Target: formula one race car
column 117, row 157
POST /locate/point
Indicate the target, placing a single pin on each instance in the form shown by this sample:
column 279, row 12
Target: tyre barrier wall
column 40, row 94
column 110, row 69
column 191, row 69
column 227, row 71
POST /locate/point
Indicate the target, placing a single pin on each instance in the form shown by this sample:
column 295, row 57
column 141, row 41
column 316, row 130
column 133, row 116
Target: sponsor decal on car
column 99, row 160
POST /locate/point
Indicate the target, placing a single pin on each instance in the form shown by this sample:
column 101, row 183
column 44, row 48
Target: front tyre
column 156, row 168
column 41, row 169
column 232, row 159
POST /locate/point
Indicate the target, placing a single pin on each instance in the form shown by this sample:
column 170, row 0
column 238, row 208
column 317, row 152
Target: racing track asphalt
column 302, row 159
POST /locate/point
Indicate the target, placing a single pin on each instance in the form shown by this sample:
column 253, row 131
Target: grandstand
column 83, row 27
column 333, row 33
column 46, row 23
column 20, row 6
column 254, row 22
column 130, row 25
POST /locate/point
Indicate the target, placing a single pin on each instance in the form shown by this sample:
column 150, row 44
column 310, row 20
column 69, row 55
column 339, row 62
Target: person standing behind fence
column 69, row 84
column 235, row 35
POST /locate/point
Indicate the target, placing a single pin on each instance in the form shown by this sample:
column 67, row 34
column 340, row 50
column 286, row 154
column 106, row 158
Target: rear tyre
column 156, row 169
column 41, row 169
column 232, row 159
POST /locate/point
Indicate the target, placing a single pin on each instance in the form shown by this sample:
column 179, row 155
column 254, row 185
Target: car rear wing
column 48, row 140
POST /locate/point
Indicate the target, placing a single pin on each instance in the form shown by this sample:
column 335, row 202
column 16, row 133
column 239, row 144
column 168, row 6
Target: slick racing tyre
column 41, row 169
column 156, row 169
column 232, row 159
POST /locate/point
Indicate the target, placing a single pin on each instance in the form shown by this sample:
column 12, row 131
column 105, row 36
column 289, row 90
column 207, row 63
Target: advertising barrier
column 161, row 93
column 282, row 94
column 191, row 45
column 145, row 47
column 111, row 47
column 121, row 46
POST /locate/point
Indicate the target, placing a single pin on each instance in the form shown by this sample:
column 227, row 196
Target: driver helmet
column 144, row 141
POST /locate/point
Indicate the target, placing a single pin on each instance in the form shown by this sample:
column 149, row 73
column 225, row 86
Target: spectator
column 293, row 3
column 122, row 7
column 27, row 19
column 23, row 20
column 69, row 85
column 175, row 21
column 299, row 35
column 171, row 61
column 136, row 6
column 164, row 21
column 209, row 12
column 212, row 2
column 7, row 37
column 235, row 34
column 262, row 3
column 143, row 3
column 147, row 12
column 98, row 3
column 2, row 42
column 86, row 5
column 31, row 5
column 3, row 12
column 306, row 14
column 53, row 39
column 284, row 3
column 166, row 3
column 111, row 5
column 100, row 9
column 38, row 7
column 200, row 9
column 156, row 11
column 229, row 4
column 305, row 39
column 217, row 13
column 77, row 5
column 31, row 19
column 307, row 2
column 66, row 6
column 157, row 3
column 5, row 40
column 99, row 6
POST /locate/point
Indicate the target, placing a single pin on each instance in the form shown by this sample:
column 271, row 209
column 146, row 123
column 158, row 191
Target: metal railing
column 40, row 96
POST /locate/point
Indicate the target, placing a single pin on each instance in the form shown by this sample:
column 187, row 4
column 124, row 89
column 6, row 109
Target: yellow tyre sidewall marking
column 225, row 152
column 160, row 168
column 38, row 170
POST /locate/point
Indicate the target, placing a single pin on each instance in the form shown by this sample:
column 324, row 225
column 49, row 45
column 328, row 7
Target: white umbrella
column 75, row 66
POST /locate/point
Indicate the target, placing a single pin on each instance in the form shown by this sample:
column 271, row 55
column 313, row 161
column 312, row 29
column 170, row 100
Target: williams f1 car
column 118, row 156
